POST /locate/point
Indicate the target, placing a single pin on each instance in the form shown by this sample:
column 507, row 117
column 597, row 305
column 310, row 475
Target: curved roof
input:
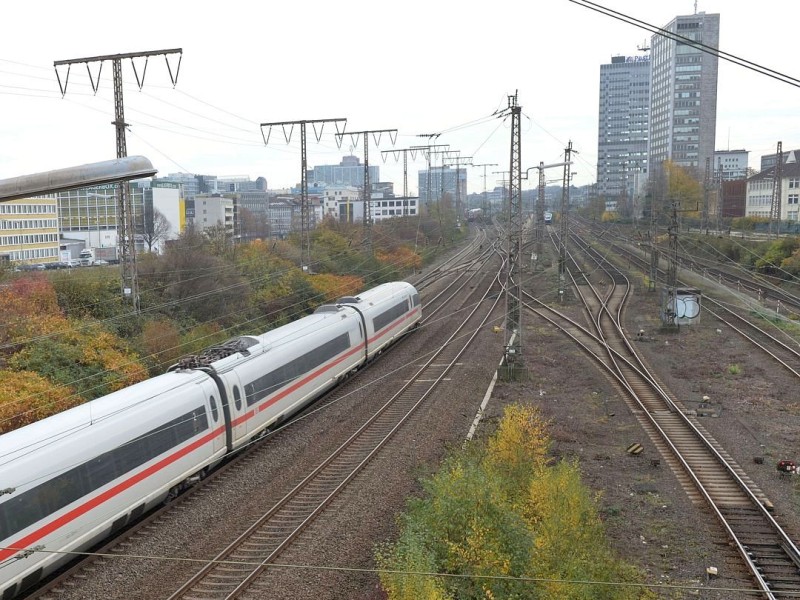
column 59, row 180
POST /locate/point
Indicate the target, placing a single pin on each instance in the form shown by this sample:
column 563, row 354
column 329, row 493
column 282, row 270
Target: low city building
column 29, row 230
column 760, row 190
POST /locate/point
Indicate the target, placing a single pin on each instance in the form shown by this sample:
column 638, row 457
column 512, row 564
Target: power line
column 737, row 60
column 430, row 574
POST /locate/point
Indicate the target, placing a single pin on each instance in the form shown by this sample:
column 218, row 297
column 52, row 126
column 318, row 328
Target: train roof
column 47, row 430
column 379, row 292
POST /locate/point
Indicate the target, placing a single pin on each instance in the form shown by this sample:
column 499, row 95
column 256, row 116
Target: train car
column 288, row 368
column 388, row 311
column 474, row 214
column 72, row 479
column 548, row 218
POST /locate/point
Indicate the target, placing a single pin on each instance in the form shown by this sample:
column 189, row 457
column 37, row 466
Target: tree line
column 68, row 336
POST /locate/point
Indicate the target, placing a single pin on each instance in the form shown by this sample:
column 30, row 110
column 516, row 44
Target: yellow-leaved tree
column 74, row 360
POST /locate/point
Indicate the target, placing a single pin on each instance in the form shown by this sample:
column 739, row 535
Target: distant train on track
column 73, row 479
column 474, row 214
column 548, row 218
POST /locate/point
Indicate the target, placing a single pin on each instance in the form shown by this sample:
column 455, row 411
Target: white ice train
column 68, row 481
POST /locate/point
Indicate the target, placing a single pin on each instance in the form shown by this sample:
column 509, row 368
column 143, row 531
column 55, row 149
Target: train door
column 216, row 411
column 238, row 406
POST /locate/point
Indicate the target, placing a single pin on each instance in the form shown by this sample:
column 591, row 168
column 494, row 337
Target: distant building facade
column 348, row 172
column 210, row 211
column 282, row 211
column 770, row 160
column 90, row 214
column 623, row 124
column 343, row 203
column 730, row 164
column 394, row 207
column 192, row 184
column 683, row 94
column 165, row 198
column 733, row 195
column 442, row 180
column 760, row 189
column 29, row 230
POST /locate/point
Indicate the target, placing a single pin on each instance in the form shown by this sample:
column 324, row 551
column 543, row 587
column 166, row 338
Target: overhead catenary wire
column 737, row 60
column 428, row 574
column 235, row 327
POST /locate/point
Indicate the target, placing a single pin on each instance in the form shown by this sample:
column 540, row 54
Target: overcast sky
column 417, row 66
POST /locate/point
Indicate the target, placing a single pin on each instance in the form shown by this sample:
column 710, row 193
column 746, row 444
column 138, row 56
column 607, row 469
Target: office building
column 729, row 165
column 760, row 189
column 210, row 211
column 29, row 230
column 770, row 160
column 443, row 180
column 348, row 172
column 683, row 94
column 90, row 214
column 623, row 125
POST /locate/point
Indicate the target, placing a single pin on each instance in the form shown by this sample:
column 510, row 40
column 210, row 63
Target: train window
column 237, row 397
column 387, row 316
column 264, row 386
column 214, row 411
column 54, row 494
column 415, row 299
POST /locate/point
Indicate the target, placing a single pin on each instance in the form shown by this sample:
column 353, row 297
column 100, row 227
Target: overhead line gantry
column 367, row 195
column 305, row 213
column 126, row 232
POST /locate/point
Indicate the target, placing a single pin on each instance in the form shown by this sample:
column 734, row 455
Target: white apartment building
column 760, row 191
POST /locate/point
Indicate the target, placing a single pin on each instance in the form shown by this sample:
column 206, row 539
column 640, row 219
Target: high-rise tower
column 623, row 124
column 683, row 93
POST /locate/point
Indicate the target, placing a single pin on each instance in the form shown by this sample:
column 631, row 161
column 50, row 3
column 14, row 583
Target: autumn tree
column 191, row 280
column 683, row 187
column 505, row 523
column 252, row 226
column 791, row 264
column 67, row 360
column 220, row 239
column 779, row 251
column 26, row 397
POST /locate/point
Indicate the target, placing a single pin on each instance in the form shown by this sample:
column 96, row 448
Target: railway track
column 783, row 349
column 241, row 570
column 446, row 282
column 702, row 466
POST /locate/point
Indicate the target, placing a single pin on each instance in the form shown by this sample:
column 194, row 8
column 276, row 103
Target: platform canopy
column 60, row 180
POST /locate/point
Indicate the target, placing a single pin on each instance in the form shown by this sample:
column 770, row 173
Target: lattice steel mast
column 428, row 150
column 562, row 243
column 305, row 211
column 484, row 165
column 669, row 311
column 539, row 208
column 467, row 161
column 513, row 346
column 396, row 153
column 775, row 207
column 706, row 189
column 126, row 231
column 367, row 191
